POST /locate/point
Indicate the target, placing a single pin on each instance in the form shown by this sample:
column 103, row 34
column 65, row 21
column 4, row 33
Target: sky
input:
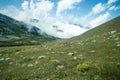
column 62, row 18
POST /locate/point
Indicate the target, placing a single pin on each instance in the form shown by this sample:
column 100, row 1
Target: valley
column 94, row 55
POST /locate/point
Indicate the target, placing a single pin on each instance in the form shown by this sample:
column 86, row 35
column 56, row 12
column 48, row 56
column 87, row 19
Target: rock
column 74, row 58
column 118, row 45
column 59, row 67
column 1, row 59
column 36, row 62
column 70, row 54
column 92, row 51
column 30, row 65
column 7, row 58
column 41, row 57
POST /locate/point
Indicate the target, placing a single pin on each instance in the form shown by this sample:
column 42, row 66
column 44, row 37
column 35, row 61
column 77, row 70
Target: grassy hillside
column 95, row 55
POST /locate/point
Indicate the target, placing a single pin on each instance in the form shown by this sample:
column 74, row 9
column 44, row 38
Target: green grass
column 95, row 56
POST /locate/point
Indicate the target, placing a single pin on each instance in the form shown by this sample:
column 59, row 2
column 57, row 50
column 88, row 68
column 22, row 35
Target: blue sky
column 63, row 13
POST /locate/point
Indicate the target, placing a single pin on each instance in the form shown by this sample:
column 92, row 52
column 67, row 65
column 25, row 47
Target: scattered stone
column 118, row 45
column 70, row 54
column 92, row 51
column 50, row 49
column 62, row 52
column 7, row 58
column 52, row 52
column 41, row 57
column 112, row 32
column 11, row 63
column 116, row 39
column 59, row 67
column 74, row 58
column 80, row 55
column 55, row 61
column 93, row 41
column 75, row 51
column 30, row 65
column 36, row 62
column 17, row 53
column 21, row 55
column 1, row 59
column 23, row 65
column 79, row 43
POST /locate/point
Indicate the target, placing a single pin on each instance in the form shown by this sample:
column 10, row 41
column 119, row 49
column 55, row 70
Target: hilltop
column 94, row 55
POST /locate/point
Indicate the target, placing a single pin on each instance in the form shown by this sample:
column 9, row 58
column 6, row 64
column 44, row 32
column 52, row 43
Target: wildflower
column 83, row 67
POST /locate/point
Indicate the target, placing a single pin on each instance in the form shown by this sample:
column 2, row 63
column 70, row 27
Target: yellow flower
column 83, row 67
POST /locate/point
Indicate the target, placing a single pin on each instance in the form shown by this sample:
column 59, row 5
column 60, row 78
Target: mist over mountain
column 14, row 32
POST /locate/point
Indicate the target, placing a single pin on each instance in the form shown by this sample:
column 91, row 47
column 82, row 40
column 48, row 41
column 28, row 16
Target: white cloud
column 25, row 5
column 69, row 30
column 99, row 20
column 111, row 1
column 41, row 8
column 65, row 5
column 98, row 8
column 114, row 8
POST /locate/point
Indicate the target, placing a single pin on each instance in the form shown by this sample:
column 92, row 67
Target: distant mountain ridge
column 11, row 29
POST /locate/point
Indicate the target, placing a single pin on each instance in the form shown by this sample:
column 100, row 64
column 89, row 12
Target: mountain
column 94, row 55
column 13, row 32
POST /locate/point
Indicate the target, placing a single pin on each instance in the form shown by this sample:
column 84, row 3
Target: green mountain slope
column 13, row 32
column 95, row 55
